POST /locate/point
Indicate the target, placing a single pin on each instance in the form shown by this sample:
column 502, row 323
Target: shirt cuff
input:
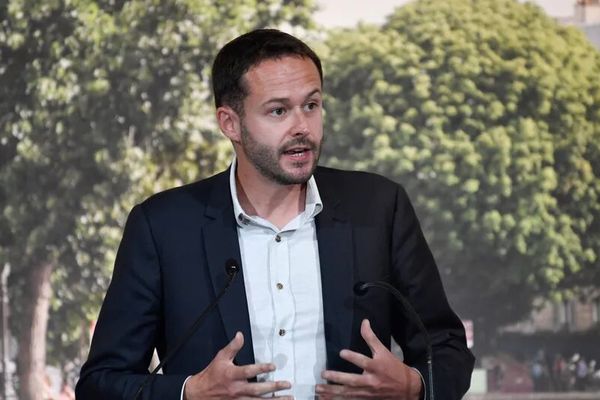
column 423, row 394
column 186, row 379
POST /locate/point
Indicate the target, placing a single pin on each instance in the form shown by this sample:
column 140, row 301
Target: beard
column 266, row 159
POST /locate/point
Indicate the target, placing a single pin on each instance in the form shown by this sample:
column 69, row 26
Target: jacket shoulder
column 345, row 180
column 362, row 195
column 194, row 196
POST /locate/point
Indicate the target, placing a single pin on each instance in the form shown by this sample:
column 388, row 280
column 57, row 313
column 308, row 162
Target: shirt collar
column 312, row 207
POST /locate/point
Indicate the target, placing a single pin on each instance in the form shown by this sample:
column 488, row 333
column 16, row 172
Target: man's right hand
column 221, row 379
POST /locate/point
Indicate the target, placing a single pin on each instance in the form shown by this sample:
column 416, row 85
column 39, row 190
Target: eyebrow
column 286, row 100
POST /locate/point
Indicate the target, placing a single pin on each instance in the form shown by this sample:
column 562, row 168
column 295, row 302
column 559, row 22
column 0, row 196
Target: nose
column 300, row 127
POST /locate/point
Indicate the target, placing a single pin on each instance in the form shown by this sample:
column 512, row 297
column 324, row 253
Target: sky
column 335, row 13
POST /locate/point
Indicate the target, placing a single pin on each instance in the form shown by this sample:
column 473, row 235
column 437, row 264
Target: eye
column 277, row 112
column 313, row 105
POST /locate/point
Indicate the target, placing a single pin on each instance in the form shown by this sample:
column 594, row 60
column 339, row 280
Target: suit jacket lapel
column 334, row 234
column 221, row 244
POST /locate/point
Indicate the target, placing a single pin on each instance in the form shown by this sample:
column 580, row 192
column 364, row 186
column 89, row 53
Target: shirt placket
column 283, row 309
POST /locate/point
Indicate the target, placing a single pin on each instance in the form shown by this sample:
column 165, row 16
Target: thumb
column 233, row 347
column 370, row 338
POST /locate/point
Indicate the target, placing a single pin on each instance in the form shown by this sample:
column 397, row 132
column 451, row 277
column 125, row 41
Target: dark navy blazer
column 171, row 264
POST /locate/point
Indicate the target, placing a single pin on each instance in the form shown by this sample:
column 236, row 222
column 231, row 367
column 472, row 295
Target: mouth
column 297, row 152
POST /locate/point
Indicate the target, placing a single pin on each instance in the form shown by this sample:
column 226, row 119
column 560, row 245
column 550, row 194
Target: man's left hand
column 384, row 375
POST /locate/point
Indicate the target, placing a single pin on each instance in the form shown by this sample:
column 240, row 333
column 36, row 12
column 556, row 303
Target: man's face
column 282, row 125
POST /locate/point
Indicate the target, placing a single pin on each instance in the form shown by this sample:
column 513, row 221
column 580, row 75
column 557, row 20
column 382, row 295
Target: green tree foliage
column 488, row 112
column 101, row 103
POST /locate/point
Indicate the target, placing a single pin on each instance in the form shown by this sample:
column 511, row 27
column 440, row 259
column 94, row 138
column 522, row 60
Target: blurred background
column 486, row 111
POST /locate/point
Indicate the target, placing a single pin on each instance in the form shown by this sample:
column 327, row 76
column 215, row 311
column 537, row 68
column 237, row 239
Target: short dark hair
column 246, row 51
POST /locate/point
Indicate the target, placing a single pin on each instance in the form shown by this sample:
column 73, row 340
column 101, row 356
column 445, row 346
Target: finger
column 339, row 391
column 329, row 390
column 262, row 398
column 358, row 359
column 252, row 370
column 345, row 378
column 370, row 338
column 256, row 389
column 233, row 347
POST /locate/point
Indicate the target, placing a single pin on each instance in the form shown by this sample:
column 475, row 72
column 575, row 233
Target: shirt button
column 282, row 332
column 279, row 286
column 278, row 238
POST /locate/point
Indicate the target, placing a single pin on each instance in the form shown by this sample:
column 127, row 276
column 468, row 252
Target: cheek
column 317, row 127
column 316, row 119
column 266, row 134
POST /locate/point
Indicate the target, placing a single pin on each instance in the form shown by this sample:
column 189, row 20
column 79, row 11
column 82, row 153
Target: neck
column 260, row 196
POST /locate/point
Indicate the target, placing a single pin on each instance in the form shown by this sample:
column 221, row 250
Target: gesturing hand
column 384, row 375
column 221, row 379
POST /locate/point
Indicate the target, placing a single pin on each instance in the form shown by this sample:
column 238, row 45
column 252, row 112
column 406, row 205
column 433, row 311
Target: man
column 291, row 324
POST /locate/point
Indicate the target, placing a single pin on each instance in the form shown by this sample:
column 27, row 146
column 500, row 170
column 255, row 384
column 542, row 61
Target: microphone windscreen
column 232, row 267
column 360, row 288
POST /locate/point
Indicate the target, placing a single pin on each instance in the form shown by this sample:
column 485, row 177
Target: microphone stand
column 232, row 268
column 361, row 288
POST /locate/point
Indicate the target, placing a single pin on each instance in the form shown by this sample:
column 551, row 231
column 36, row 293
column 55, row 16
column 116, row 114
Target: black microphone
column 231, row 268
column 361, row 288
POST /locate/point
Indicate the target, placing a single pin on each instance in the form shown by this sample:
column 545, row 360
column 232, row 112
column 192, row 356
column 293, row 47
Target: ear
column 229, row 123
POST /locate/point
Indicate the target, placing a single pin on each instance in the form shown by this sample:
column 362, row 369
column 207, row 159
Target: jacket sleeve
column 415, row 273
column 129, row 326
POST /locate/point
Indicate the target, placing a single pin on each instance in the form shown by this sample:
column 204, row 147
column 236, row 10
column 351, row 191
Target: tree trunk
column 32, row 342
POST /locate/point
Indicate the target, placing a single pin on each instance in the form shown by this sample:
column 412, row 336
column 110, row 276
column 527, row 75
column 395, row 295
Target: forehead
column 282, row 76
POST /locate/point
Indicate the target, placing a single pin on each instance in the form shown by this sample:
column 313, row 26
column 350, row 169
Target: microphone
column 361, row 288
column 231, row 268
